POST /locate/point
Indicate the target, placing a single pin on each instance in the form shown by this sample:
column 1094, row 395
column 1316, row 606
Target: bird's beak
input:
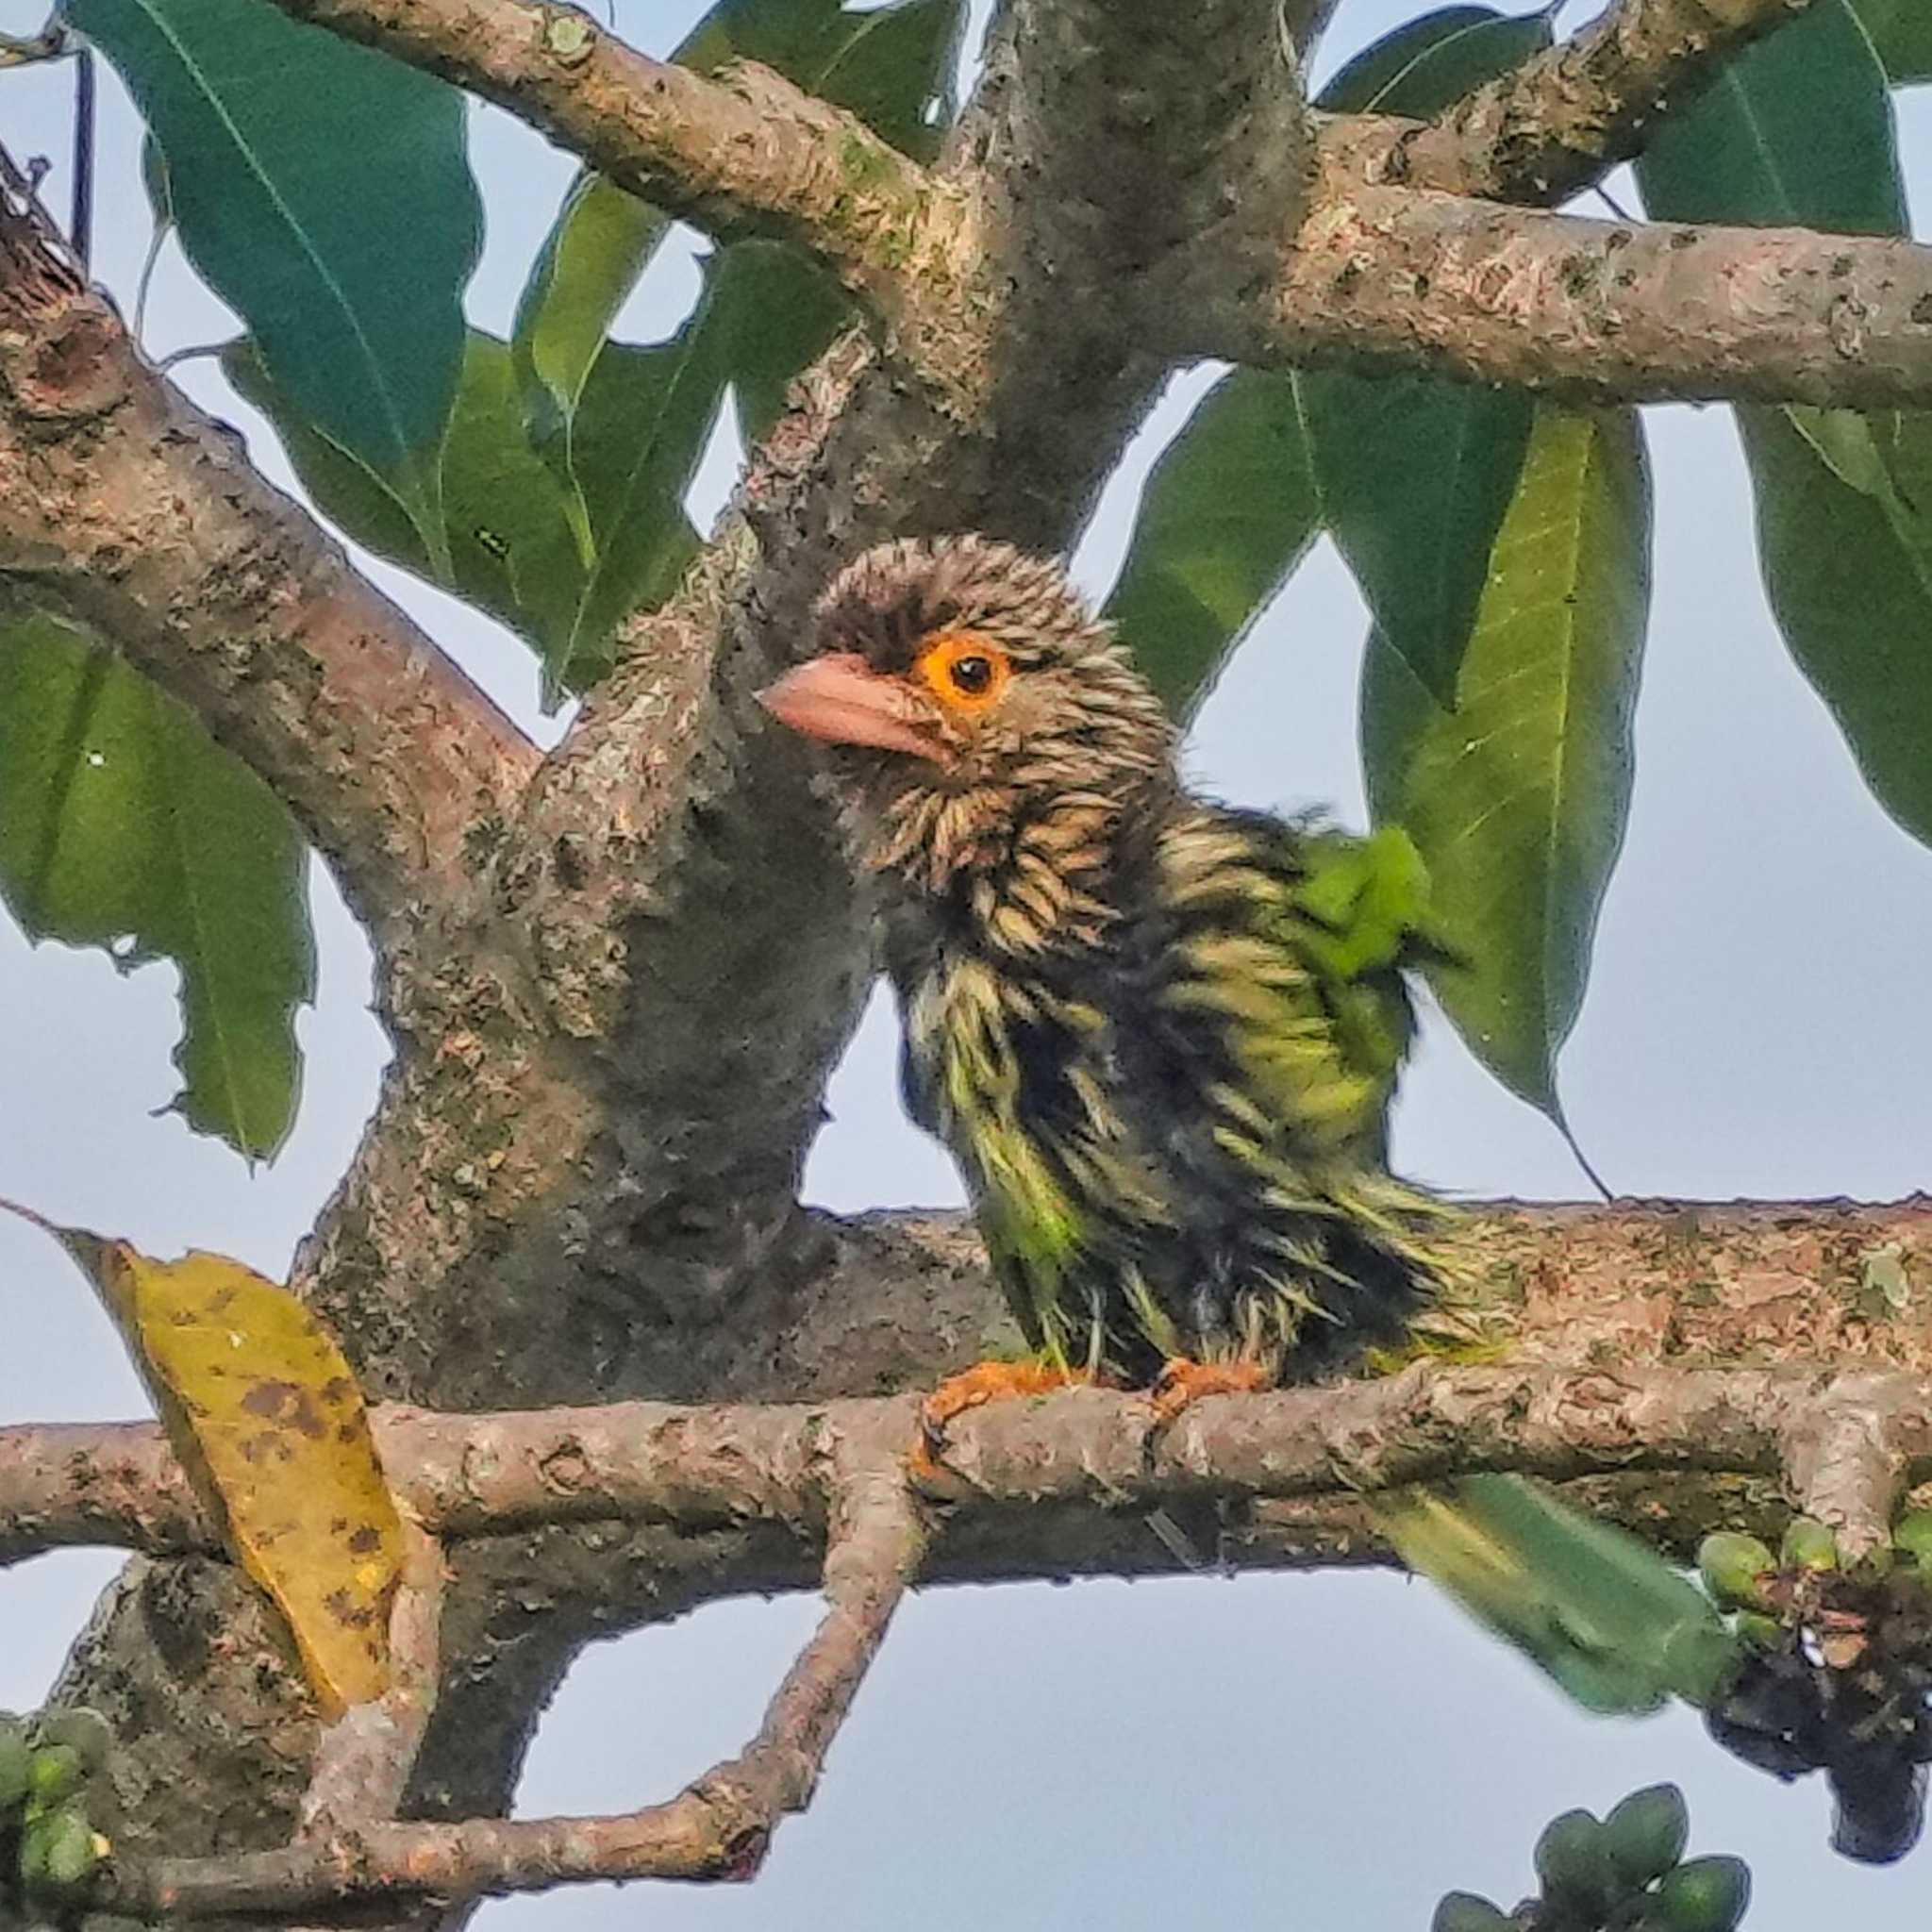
column 840, row 698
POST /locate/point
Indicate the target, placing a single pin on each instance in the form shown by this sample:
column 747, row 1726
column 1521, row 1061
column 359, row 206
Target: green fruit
column 56, row 1772
column 16, row 1755
column 1733, row 1567
column 1764, row 1633
column 1704, row 1895
column 1912, row 1534
column 80, row 1729
column 1572, row 1861
column 1464, row 1911
column 1645, row 1835
column 1808, row 1544
column 59, row 1849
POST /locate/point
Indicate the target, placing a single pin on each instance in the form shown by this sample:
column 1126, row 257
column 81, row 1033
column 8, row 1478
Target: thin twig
column 363, row 1761
column 717, row 1829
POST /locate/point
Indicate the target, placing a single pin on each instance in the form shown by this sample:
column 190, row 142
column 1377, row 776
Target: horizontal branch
column 742, row 152
column 1602, row 312
column 1558, row 123
column 467, row 1475
column 128, row 513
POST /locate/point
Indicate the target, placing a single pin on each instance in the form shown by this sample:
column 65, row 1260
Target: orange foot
column 972, row 1387
column 1182, row 1383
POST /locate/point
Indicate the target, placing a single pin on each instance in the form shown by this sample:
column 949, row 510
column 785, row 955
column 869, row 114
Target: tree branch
column 1557, row 124
column 128, row 513
column 1843, row 1444
column 717, row 1828
column 1093, row 1449
column 1598, row 311
column 741, row 152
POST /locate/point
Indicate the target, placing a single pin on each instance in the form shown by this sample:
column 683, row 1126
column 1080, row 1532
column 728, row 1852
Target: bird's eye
column 964, row 670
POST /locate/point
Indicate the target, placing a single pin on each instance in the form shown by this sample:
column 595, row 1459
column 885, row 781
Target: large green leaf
column 1901, row 31
column 890, row 65
column 602, row 240
column 505, row 542
column 323, row 192
column 1232, row 506
column 1228, row 513
column 1517, row 798
column 1415, row 475
column 122, row 824
column 1424, row 64
column 1795, row 132
column 776, row 312
column 1799, row 130
column 1846, row 546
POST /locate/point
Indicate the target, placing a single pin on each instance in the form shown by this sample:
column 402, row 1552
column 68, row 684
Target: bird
column 1158, row 1035
column 1162, row 1039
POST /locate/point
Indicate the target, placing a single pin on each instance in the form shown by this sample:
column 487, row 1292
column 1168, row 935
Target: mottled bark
column 1393, row 279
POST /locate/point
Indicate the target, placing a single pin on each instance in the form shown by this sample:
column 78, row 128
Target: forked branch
column 717, row 1828
column 1557, row 124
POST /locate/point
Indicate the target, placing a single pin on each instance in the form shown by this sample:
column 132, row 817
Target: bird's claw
column 1183, row 1382
column 974, row 1387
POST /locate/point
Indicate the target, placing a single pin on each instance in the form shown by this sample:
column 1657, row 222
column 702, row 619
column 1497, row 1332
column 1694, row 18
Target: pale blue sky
column 1271, row 1753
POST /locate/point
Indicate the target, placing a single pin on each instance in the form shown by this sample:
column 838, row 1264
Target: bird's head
column 971, row 697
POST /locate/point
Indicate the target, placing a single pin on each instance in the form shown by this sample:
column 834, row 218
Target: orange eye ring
column 964, row 671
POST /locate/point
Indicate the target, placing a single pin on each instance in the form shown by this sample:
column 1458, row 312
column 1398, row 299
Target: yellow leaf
column 267, row 1420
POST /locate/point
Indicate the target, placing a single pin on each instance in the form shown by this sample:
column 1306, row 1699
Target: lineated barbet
column 1160, row 1035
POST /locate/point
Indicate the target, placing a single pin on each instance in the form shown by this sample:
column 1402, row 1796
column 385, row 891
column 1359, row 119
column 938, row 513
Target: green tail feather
column 1602, row 1614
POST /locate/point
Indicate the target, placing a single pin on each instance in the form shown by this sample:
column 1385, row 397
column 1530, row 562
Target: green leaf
column 1415, row 475
column 887, row 64
column 1795, row 132
column 1228, row 513
column 1517, row 798
column 777, row 312
column 1901, row 32
column 1848, row 568
column 602, row 240
column 1799, row 130
column 122, row 824
column 1427, row 63
column 505, row 542
column 891, row 65
column 323, row 192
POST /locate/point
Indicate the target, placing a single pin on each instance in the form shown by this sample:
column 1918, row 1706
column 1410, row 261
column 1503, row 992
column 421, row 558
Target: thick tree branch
column 1602, row 311
column 743, row 152
column 128, row 513
column 1556, row 125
